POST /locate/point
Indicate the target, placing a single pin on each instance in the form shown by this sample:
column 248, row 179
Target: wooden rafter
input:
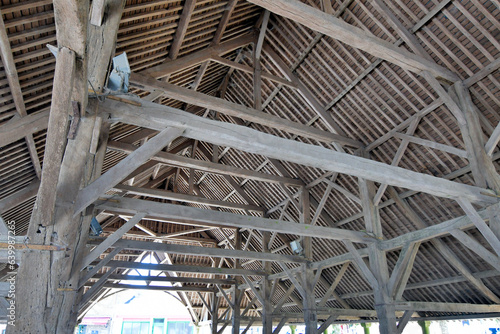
column 319, row 21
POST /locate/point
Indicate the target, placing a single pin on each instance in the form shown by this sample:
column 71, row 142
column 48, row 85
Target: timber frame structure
column 364, row 131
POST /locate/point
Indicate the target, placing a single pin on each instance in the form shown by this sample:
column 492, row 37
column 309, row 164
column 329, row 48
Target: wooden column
column 384, row 304
column 215, row 312
column 237, row 294
column 267, row 319
column 308, row 299
column 50, row 305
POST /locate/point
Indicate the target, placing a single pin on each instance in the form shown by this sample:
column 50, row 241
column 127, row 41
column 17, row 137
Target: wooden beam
column 492, row 142
column 187, row 11
column 97, row 12
column 262, row 35
column 206, row 251
column 338, row 29
column 433, row 231
column 157, row 193
column 228, row 11
column 186, row 288
column 194, row 280
column 111, row 240
column 170, row 211
column 16, row 92
column 89, row 274
column 432, row 144
column 401, row 272
column 480, row 224
column 377, row 259
column 103, row 35
column 172, row 66
column 64, row 78
column 184, row 269
column 19, row 197
column 447, row 307
column 117, row 173
column 233, row 109
column 18, row 128
column 248, row 69
column 210, row 167
column 153, row 116
column 445, row 251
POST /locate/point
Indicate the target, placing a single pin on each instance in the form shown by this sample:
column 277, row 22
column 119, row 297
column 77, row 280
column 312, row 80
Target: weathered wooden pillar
column 309, row 301
column 50, row 306
column 425, row 326
column 236, row 319
column 384, row 304
column 215, row 313
column 267, row 309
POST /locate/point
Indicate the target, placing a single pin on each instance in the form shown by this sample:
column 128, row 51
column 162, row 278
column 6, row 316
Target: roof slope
column 398, row 116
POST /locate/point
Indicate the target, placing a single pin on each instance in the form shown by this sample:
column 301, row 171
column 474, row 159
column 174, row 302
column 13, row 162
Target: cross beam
column 170, row 211
column 157, row 117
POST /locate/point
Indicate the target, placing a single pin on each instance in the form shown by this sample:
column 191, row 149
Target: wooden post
column 308, row 299
column 215, row 312
column 267, row 309
column 384, row 304
column 237, row 294
column 50, row 306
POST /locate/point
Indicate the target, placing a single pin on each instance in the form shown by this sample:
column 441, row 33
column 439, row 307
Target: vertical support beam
column 215, row 312
column 237, row 294
column 308, row 275
column 257, row 74
column 52, row 304
column 267, row 309
column 378, row 263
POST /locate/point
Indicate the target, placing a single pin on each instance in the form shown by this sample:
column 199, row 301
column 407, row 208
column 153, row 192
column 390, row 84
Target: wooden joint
column 75, row 121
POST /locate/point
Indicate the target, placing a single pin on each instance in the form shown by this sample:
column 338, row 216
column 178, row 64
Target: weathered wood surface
column 238, row 137
column 157, row 193
column 184, row 268
column 180, row 161
column 171, row 66
column 238, row 110
column 121, row 170
column 170, row 211
column 338, row 29
column 207, row 251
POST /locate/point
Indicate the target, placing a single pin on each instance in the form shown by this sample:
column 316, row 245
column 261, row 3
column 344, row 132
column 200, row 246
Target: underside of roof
column 416, row 86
